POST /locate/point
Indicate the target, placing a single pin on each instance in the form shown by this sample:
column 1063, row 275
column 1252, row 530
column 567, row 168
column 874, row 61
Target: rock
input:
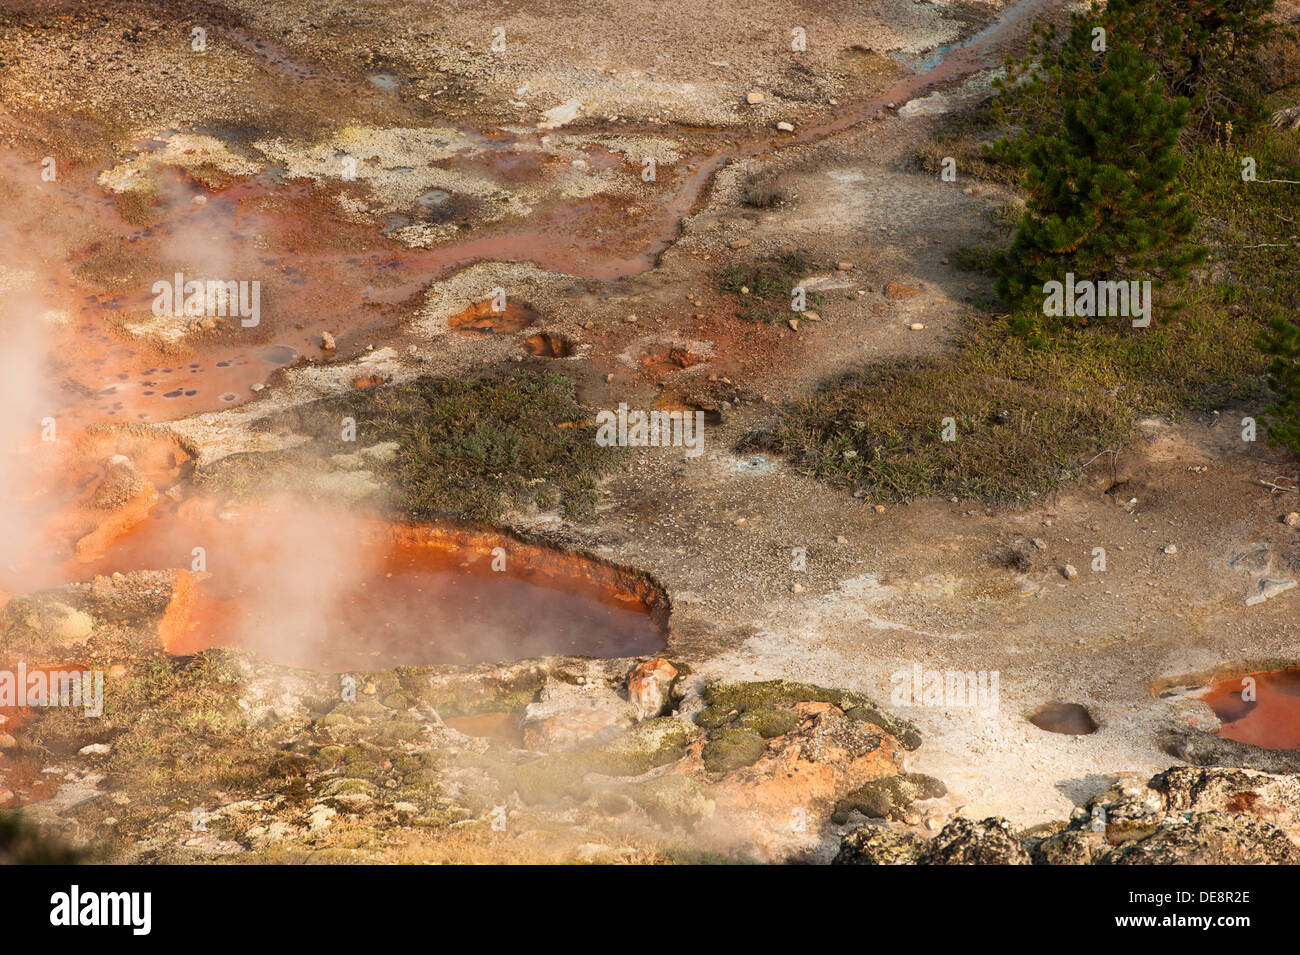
column 1072, row 847
column 794, row 324
column 796, row 588
column 916, row 327
column 120, row 483
column 963, row 842
column 785, row 127
column 811, row 316
column 876, row 845
column 1264, row 797
column 566, row 717
column 1039, row 543
column 327, row 342
column 899, row 290
column 320, row 816
column 96, row 749
column 7, row 741
column 1169, row 549
column 1209, row 839
column 844, row 266
column 841, row 539
column 782, row 789
column 1196, row 713
column 753, row 97
column 1252, row 558
column 1069, row 572
column 1270, row 587
column 738, row 243
column 649, row 686
column 1292, row 519
column 879, row 508
column 557, row 116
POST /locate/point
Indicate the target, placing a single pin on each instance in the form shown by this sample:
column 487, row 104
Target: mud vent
column 1070, row 719
column 422, row 594
column 1262, row 708
column 480, row 319
column 547, row 345
column 665, row 358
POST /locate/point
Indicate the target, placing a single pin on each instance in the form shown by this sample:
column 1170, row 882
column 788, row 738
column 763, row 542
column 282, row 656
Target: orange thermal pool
column 330, row 592
column 1259, row 708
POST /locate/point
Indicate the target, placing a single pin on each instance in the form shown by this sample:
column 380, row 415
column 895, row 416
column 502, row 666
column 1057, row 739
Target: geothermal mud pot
column 305, row 338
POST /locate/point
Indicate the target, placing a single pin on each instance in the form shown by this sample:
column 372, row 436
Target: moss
column 350, row 787
column 407, row 764
column 769, row 723
column 634, row 753
column 888, row 797
column 397, row 731
column 469, row 696
column 672, row 800
column 330, row 756
column 729, row 749
column 651, row 743
column 752, row 704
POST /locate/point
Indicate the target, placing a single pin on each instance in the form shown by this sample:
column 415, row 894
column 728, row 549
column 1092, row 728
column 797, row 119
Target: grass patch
column 963, row 138
column 1029, row 411
column 1024, row 416
column 470, row 447
column 764, row 289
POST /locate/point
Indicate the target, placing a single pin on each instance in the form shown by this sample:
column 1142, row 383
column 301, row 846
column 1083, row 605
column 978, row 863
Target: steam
column 28, row 406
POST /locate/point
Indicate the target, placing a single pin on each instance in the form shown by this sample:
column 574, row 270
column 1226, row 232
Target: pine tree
column 1101, row 193
column 1282, row 342
column 1206, row 51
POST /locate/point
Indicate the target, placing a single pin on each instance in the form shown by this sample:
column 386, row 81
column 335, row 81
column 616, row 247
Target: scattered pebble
column 1069, row 572
column 1169, row 549
column 785, row 127
column 753, row 97
column 327, row 342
